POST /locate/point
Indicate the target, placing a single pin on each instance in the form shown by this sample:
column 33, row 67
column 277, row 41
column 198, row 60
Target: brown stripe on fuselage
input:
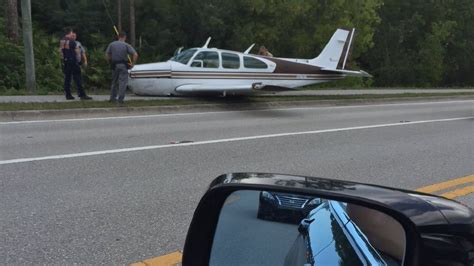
column 296, row 77
column 160, row 75
column 253, row 74
column 235, row 75
column 252, row 78
column 151, row 72
column 285, row 70
column 288, row 67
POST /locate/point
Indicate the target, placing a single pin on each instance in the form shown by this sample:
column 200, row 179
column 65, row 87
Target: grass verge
column 197, row 101
column 13, row 92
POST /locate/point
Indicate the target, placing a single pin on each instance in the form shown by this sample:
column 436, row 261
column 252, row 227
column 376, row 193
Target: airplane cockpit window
column 230, row 60
column 206, row 60
column 184, row 56
column 250, row 62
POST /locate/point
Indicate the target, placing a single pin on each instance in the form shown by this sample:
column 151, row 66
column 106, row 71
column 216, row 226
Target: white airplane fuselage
column 216, row 71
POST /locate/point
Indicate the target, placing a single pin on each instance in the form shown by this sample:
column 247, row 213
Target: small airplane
column 204, row 70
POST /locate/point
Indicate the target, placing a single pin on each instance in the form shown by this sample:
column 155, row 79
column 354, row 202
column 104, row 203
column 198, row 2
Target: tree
column 11, row 15
column 402, row 43
column 119, row 15
column 423, row 43
column 28, row 44
column 132, row 22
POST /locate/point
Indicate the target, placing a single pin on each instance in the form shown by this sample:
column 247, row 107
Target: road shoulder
column 220, row 105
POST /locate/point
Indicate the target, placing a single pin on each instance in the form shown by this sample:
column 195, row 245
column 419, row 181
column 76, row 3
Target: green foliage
column 96, row 74
column 423, row 43
column 49, row 76
column 12, row 67
column 432, row 52
column 12, row 75
column 402, row 43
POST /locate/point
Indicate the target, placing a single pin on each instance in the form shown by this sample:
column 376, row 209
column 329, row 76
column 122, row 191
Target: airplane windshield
column 184, row 56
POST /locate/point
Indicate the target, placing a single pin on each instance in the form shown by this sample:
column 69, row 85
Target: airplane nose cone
column 150, row 79
column 153, row 67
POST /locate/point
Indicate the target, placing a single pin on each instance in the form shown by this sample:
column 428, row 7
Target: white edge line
column 143, row 148
column 220, row 112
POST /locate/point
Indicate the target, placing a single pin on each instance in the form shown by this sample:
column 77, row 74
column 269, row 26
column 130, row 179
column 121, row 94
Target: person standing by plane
column 82, row 58
column 72, row 70
column 264, row 51
column 117, row 54
column 62, row 43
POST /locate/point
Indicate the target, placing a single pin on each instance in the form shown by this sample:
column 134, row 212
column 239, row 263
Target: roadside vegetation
column 402, row 43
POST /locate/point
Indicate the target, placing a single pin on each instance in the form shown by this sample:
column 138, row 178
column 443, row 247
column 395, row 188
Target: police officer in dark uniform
column 117, row 54
column 72, row 69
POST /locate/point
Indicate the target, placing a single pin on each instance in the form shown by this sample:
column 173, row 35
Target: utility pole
column 132, row 22
column 28, row 43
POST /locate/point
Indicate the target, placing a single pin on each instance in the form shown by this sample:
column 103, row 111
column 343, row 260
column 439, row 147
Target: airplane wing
column 190, row 88
column 360, row 73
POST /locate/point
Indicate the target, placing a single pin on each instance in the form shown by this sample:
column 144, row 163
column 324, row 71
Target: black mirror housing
column 410, row 209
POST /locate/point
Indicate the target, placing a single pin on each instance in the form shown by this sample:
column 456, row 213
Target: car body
column 327, row 237
column 285, row 207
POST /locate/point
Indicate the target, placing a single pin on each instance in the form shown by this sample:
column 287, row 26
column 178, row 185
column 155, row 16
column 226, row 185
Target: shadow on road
column 247, row 105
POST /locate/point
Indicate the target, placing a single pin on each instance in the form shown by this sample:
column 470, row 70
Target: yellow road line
column 171, row 259
column 459, row 192
column 447, row 184
column 175, row 258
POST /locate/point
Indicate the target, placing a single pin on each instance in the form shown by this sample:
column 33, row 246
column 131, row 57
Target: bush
column 12, row 73
column 97, row 74
column 49, row 75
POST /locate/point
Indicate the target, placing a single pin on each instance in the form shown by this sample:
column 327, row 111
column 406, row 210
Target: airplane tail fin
column 337, row 51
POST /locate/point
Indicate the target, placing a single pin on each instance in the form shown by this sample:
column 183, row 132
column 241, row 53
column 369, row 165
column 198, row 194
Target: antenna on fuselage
column 207, row 42
column 249, row 49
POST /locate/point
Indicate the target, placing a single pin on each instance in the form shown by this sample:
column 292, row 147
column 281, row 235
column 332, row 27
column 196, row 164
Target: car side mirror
column 233, row 224
column 264, row 219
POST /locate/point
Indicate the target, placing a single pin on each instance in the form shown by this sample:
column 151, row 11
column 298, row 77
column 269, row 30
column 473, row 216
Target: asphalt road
column 242, row 239
column 120, row 190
